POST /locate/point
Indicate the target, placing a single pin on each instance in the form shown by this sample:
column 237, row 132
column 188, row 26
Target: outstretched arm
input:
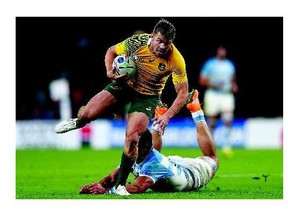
column 204, row 136
column 102, row 186
column 205, row 140
column 110, row 180
column 140, row 185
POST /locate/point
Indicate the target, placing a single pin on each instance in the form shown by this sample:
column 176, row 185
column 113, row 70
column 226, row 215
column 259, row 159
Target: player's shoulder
column 139, row 39
column 211, row 60
column 175, row 55
column 136, row 41
column 154, row 155
column 229, row 61
column 142, row 36
column 175, row 50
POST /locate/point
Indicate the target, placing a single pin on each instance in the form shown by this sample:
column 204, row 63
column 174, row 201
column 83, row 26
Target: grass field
column 59, row 174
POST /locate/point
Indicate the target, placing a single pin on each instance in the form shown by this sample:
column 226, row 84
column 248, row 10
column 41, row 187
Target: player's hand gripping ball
column 125, row 65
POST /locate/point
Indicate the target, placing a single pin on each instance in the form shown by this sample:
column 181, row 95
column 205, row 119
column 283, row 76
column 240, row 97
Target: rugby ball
column 123, row 64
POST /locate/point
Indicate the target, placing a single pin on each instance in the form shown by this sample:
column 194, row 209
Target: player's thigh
column 96, row 105
column 120, row 91
column 144, row 104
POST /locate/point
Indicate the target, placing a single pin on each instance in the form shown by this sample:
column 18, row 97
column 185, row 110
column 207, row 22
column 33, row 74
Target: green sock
column 125, row 168
column 81, row 123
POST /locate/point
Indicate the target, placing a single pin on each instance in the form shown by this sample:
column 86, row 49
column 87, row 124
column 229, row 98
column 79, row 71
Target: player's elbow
column 111, row 51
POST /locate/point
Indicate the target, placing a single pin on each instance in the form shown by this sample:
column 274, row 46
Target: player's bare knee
column 85, row 114
column 81, row 113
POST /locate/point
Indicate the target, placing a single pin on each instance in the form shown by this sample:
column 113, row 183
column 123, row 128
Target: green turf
column 59, row 174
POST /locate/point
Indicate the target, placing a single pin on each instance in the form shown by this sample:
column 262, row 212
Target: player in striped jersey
column 158, row 172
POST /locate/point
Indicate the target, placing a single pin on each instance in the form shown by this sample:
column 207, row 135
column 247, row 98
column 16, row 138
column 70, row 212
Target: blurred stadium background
column 60, row 66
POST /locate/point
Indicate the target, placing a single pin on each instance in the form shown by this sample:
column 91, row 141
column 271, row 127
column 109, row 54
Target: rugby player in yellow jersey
column 156, row 58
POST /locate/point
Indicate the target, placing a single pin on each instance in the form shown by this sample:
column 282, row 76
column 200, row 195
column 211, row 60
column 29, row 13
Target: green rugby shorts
column 136, row 102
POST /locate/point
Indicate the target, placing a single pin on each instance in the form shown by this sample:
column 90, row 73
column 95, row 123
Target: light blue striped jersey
column 219, row 72
column 166, row 174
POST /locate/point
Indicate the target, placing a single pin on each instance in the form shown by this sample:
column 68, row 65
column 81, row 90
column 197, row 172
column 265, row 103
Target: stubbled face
column 159, row 44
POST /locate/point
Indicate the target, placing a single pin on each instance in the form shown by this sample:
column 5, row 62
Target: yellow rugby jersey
column 152, row 71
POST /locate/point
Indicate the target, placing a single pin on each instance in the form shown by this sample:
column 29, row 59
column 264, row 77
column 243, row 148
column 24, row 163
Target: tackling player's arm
column 110, row 180
column 141, row 184
column 103, row 186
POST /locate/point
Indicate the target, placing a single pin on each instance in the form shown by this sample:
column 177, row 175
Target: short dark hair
column 165, row 28
column 145, row 140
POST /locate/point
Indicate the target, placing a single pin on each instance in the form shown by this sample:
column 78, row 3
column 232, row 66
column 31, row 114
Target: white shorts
column 217, row 102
